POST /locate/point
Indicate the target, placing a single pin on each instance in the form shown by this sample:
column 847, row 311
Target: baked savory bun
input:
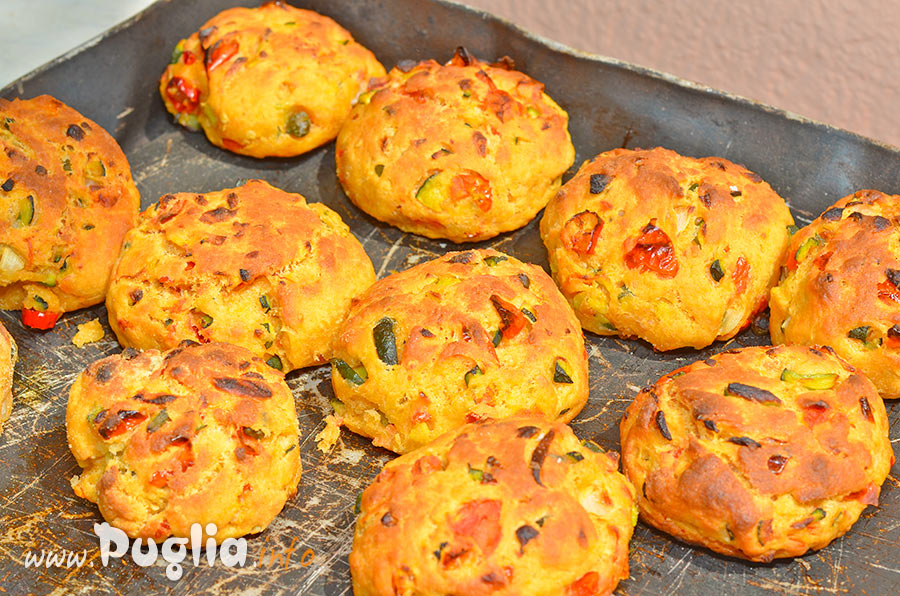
column 268, row 81
column 758, row 453
column 68, row 196
column 463, row 151
column 8, row 355
column 513, row 507
column 254, row 266
column 841, row 287
column 675, row 250
column 198, row 434
column 467, row 336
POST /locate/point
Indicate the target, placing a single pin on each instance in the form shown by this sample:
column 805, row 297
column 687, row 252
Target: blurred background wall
column 830, row 60
column 836, row 61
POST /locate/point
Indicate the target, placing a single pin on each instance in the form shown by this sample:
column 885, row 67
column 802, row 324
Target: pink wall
column 829, row 60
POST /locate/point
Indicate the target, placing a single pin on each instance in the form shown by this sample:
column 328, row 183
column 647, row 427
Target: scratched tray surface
column 610, row 104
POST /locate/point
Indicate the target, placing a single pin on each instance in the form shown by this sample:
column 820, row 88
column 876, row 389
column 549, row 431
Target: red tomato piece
column 512, row 320
column 39, row 319
column 741, row 275
column 221, row 52
column 472, row 185
column 582, row 231
column 480, row 521
column 588, row 585
column 651, row 251
column 183, row 95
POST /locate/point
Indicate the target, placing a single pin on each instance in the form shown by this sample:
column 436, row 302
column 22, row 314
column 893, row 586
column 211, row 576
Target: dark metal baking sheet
column 113, row 81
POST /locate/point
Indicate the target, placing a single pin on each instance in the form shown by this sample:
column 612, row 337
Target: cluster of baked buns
column 469, row 365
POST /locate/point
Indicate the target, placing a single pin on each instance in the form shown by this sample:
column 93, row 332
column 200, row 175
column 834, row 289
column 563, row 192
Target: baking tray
column 113, row 81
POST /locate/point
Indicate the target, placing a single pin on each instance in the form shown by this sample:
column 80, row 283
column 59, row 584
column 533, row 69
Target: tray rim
column 551, row 44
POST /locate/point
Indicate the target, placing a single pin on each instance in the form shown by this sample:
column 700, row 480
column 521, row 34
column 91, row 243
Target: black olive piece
column 599, row 182
column 526, row 432
column 539, row 454
column 525, row 534
column 245, row 275
column 866, row 409
column 8, row 185
column 75, row 132
column 662, row 426
column 760, row 324
column 860, row 333
column 744, row 442
column 463, row 257
column 893, row 276
column 833, row 214
column 716, row 271
column 751, row 393
column 464, row 54
column 385, row 342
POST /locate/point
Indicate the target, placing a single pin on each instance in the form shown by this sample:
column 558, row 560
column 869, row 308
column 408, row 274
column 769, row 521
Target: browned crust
column 84, row 201
column 446, row 319
column 255, row 67
column 495, row 508
column 491, row 144
column 726, row 454
column 843, row 282
column 253, row 265
column 199, row 434
column 724, row 228
column 8, row 356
